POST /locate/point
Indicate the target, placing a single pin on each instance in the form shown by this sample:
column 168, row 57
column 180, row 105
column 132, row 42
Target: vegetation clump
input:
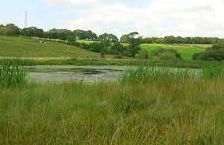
column 215, row 53
column 11, row 74
column 166, row 54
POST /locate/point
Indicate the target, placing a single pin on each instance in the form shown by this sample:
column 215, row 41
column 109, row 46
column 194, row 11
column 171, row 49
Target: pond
column 90, row 74
column 44, row 74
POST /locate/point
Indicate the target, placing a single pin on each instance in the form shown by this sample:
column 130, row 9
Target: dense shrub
column 143, row 54
column 216, row 53
column 9, row 30
column 102, row 47
column 118, row 49
column 32, row 31
column 166, row 54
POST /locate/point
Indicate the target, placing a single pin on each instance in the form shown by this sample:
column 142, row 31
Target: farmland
column 186, row 51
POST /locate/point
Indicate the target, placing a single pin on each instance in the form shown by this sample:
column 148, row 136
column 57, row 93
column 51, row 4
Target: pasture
column 186, row 51
column 28, row 47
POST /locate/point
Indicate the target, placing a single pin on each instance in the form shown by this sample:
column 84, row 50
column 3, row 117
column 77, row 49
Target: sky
column 148, row 17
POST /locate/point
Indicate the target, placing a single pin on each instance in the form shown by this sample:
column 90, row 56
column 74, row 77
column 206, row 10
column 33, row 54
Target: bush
column 118, row 49
column 143, row 54
column 166, row 54
column 216, row 53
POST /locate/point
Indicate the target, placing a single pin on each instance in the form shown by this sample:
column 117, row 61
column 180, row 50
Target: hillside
column 27, row 47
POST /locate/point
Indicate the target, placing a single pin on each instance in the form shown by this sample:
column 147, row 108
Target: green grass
column 26, row 47
column 11, row 74
column 186, row 51
column 86, row 41
column 158, row 111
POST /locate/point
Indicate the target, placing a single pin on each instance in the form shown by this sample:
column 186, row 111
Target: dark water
column 44, row 74
column 68, row 73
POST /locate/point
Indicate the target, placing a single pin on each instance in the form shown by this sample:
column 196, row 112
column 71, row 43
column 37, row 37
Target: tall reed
column 12, row 74
column 144, row 73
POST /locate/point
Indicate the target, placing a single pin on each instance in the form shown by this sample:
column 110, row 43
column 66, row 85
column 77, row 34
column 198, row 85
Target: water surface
column 44, row 74
column 92, row 74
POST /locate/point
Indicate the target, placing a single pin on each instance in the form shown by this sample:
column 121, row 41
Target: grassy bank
column 142, row 108
column 100, row 61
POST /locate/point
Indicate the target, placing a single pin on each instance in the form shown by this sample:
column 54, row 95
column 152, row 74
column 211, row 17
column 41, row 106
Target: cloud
column 156, row 17
column 73, row 3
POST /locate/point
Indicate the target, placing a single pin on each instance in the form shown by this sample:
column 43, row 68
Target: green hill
column 28, row 47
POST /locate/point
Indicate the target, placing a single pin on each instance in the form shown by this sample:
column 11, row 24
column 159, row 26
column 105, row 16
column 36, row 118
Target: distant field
column 85, row 41
column 186, row 50
column 26, row 47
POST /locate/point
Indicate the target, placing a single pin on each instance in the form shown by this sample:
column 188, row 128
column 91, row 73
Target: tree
column 33, row 31
column 108, row 37
column 62, row 34
column 85, row 35
column 134, row 42
column 11, row 29
column 124, row 39
column 2, row 30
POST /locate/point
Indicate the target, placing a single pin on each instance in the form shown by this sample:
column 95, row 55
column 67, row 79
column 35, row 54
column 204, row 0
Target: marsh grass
column 11, row 74
column 215, row 70
column 145, row 74
column 148, row 110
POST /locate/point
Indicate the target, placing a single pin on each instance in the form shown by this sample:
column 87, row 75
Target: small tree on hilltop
column 134, row 42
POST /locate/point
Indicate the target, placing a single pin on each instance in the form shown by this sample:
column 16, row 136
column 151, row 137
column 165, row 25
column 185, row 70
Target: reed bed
column 12, row 74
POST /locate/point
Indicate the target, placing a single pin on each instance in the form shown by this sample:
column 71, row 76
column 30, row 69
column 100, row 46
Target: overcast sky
column 149, row 17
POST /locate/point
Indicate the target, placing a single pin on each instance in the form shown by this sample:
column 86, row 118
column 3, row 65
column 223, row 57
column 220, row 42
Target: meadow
column 24, row 47
column 145, row 106
column 186, row 51
column 30, row 48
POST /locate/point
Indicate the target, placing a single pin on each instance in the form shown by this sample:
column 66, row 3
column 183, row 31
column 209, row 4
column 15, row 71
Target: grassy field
column 186, row 51
column 26, row 47
column 145, row 107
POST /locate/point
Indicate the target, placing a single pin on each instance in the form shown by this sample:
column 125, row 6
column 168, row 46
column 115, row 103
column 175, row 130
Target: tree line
column 105, row 46
column 65, row 34
column 62, row 34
